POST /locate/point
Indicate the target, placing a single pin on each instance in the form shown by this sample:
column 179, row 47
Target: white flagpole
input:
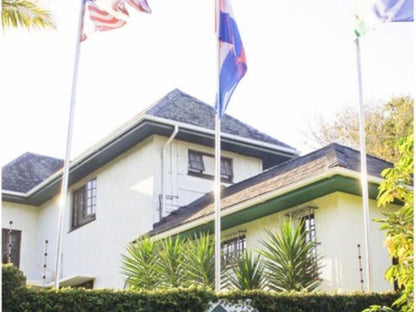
column 217, row 184
column 364, row 179
column 64, row 186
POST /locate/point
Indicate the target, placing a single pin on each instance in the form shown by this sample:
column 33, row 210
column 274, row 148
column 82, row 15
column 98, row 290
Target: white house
column 154, row 174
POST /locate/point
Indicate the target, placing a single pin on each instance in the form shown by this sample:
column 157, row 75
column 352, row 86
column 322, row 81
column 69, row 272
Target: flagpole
column 217, row 184
column 364, row 179
column 65, row 176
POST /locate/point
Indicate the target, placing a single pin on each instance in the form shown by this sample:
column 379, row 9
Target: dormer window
column 203, row 165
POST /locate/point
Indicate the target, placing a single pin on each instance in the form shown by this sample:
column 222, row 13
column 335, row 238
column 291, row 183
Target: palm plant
column 170, row 263
column 139, row 265
column 25, row 13
column 247, row 273
column 200, row 262
column 289, row 260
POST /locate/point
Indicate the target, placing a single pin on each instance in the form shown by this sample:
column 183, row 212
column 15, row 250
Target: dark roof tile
column 182, row 107
column 27, row 171
column 289, row 172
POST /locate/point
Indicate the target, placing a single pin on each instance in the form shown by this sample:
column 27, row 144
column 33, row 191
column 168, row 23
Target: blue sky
column 301, row 63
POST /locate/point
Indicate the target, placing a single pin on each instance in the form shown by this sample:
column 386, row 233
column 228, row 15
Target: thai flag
column 233, row 64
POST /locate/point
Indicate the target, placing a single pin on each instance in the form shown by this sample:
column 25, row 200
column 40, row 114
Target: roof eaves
column 185, row 226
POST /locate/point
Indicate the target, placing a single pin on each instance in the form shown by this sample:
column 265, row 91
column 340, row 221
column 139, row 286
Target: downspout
column 172, row 136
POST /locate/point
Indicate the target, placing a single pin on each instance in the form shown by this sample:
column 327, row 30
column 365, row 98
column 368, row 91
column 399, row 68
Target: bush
column 13, row 281
column 309, row 301
column 19, row 298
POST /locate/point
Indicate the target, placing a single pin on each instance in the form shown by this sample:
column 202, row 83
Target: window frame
column 198, row 171
column 84, row 202
column 238, row 243
column 15, row 250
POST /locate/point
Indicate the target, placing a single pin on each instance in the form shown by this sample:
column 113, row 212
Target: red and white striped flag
column 102, row 20
column 120, row 6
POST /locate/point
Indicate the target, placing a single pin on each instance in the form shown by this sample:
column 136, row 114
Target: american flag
column 102, row 20
column 141, row 5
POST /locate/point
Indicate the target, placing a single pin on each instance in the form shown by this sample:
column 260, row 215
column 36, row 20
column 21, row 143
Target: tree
column 288, row 259
column 399, row 224
column 25, row 13
column 385, row 125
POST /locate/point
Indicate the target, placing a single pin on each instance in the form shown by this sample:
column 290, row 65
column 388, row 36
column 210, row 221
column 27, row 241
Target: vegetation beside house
column 21, row 298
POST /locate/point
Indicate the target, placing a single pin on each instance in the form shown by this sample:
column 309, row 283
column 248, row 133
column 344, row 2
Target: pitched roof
column 181, row 107
column 27, row 171
column 287, row 173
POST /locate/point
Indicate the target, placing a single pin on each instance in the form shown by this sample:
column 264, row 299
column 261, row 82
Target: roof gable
column 27, row 171
column 181, row 107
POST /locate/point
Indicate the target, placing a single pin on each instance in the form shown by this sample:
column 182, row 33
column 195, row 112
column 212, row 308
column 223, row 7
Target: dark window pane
column 84, row 202
column 14, row 250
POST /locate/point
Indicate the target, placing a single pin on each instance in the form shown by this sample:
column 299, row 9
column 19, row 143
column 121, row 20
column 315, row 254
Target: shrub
column 247, row 273
column 13, row 280
column 288, row 259
column 199, row 261
column 138, row 266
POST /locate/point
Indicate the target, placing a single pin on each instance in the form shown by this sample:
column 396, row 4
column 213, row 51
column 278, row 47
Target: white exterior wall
column 25, row 219
column 124, row 211
column 186, row 188
column 128, row 191
column 339, row 228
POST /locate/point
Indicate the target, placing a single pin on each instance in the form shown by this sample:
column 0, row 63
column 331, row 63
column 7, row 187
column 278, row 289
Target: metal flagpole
column 64, row 186
column 364, row 180
column 217, row 185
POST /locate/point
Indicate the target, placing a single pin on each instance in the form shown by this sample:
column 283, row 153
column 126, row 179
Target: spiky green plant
column 139, row 265
column 25, row 13
column 200, row 262
column 247, row 273
column 289, row 260
column 169, row 266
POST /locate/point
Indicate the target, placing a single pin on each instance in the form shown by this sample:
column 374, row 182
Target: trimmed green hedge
column 13, row 281
column 313, row 301
column 27, row 299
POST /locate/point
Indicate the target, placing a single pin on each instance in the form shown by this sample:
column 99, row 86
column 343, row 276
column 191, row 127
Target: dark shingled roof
column 289, row 172
column 179, row 106
column 27, row 171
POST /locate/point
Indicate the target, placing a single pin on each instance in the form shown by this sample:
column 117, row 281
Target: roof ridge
column 13, row 161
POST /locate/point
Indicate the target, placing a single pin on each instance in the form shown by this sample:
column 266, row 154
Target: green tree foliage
column 199, row 261
column 170, row 262
column 385, row 125
column 288, row 261
column 138, row 266
column 25, row 13
column 247, row 273
column 399, row 224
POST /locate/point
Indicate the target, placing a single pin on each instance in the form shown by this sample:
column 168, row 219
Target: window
column 84, row 204
column 10, row 246
column 203, row 165
column 233, row 247
column 307, row 217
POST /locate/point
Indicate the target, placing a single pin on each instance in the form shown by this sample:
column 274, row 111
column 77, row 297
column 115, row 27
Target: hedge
column 28, row 299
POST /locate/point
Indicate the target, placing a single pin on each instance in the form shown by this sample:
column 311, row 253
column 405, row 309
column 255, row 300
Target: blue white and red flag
column 233, row 64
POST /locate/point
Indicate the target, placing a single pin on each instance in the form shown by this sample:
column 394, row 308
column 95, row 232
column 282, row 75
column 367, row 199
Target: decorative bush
column 18, row 298
column 13, row 280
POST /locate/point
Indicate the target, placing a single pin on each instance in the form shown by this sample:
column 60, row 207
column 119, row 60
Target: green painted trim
column 304, row 194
